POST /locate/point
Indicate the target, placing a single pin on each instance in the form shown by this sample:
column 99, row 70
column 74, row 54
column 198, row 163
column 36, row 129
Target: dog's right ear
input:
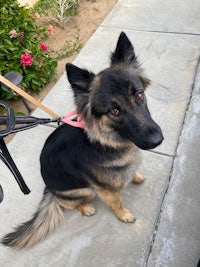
column 79, row 79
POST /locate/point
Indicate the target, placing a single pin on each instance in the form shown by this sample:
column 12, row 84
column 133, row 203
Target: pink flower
column 13, row 33
column 37, row 16
column 43, row 46
column 20, row 36
column 26, row 60
column 50, row 29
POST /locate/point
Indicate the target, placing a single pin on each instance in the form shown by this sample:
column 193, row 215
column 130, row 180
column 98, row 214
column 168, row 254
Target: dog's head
column 113, row 103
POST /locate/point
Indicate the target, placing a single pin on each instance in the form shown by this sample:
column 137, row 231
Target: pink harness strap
column 79, row 123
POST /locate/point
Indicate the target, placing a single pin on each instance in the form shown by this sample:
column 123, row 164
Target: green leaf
column 8, row 42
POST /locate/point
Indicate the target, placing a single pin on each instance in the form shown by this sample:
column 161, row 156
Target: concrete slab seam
column 153, row 31
column 163, row 154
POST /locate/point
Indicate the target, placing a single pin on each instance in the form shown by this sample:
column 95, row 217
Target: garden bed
column 90, row 15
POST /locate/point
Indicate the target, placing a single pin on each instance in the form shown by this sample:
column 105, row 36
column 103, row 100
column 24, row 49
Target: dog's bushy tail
column 49, row 215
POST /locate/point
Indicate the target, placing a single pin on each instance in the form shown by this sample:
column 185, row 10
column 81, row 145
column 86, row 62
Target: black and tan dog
column 78, row 164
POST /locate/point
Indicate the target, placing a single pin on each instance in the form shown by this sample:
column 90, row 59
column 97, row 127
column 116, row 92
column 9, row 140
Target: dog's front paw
column 87, row 209
column 138, row 178
column 126, row 216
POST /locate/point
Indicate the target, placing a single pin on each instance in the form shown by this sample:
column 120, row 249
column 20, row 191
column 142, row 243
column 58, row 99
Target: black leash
column 26, row 122
column 10, row 123
column 9, row 162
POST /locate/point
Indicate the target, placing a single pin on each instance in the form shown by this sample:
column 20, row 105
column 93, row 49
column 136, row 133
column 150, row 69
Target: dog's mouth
column 147, row 146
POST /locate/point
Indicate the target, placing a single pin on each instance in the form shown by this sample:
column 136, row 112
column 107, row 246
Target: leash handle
column 27, row 96
column 9, row 120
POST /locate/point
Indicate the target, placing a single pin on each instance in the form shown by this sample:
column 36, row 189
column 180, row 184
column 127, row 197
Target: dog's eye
column 115, row 111
column 140, row 96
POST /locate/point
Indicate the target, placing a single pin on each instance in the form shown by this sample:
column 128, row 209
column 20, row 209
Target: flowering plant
column 22, row 47
column 26, row 60
column 43, row 46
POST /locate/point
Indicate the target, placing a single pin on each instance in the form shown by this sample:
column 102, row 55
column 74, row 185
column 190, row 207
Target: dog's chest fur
column 118, row 171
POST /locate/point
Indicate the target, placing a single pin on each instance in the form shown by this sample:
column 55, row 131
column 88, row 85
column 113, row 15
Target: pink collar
column 79, row 123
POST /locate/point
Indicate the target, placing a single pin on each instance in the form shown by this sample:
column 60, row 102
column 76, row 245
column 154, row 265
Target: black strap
column 26, row 122
column 7, row 159
column 1, row 194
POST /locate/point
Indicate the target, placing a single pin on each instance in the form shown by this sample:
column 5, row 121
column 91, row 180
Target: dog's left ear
column 124, row 52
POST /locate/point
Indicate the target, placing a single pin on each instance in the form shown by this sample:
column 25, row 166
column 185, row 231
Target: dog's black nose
column 155, row 137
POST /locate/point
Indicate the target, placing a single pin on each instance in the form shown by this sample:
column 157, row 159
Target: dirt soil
column 90, row 15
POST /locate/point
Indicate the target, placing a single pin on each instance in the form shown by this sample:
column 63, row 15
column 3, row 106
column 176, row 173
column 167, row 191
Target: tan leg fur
column 113, row 201
column 80, row 201
column 86, row 209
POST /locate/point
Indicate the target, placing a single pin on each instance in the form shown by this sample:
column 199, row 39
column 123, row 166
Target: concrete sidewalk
column 166, row 36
